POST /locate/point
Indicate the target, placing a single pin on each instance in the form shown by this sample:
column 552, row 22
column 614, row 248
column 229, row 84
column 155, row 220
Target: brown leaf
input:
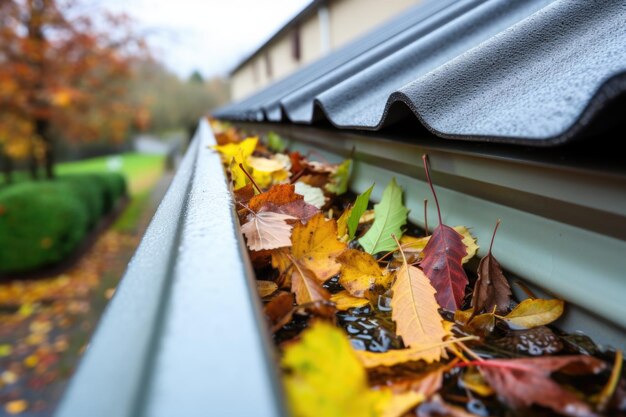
column 299, row 209
column 361, row 273
column 416, row 312
column 480, row 325
column 279, row 307
column 244, row 194
column 265, row 288
column 267, row 230
column 524, row 382
column 442, row 264
column 491, row 288
column 305, row 286
column 278, row 194
column 315, row 246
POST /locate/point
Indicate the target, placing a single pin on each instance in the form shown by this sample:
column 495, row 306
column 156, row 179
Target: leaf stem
column 250, row 178
column 430, row 183
column 493, row 236
column 399, row 247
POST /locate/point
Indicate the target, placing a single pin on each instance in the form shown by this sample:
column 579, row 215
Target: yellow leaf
column 324, row 377
column 5, row 350
column 240, row 179
column 420, row 352
column 316, row 247
column 304, row 285
column 474, row 381
column 16, row 406
column 267, row 171
column 399, row 404
column 534, row 312
column 342, row 224
column 361, row 273
column 412, row 244
column 244, row 148
column 468, row 240
column 265, row 288
column 481, row 324
column 343, row 301
column 264, row 164
column 416, row 312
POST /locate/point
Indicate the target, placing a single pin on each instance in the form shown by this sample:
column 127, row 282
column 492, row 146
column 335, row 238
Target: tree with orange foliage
column 61, row 77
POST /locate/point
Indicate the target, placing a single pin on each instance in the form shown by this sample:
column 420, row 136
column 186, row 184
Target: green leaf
column 389, row 217
column 275, row 143
column 360, row 205
column 339, row 180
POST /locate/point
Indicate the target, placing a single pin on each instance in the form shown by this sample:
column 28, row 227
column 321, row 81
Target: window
column 296, row 47
column 268, row 65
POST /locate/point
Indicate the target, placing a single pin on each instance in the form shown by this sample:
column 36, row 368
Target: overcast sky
column 211, row 36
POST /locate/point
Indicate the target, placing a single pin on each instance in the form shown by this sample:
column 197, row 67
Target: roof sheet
column 530, row 72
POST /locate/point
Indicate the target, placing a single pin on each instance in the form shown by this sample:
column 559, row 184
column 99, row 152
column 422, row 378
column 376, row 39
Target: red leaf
column 443, row 265
column 524, row 382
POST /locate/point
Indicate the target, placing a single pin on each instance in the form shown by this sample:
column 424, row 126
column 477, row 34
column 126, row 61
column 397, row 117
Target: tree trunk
column 41, row 128
column 33, row 166
column 7, row 169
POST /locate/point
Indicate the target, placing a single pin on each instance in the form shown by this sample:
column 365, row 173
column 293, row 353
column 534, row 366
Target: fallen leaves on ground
column 267, row 230
column 534, row 312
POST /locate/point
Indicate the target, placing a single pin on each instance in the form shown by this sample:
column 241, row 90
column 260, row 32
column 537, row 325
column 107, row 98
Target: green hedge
column 41, row 223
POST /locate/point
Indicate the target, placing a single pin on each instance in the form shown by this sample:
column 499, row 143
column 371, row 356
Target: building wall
column 347, row 20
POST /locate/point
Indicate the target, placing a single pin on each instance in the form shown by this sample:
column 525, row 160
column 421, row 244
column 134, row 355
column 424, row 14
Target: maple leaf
column 491, row 289
column 442, row 262
column 304, row 285
column 244, row 149
column 324, row 378
column 267, row 230
column 415, row 310
column 278, row 194
column 390, row 216
column 534, row 312
column 360, row 205
column 361, row 273
column 312, row 195
column 339, row 179
column 524, row 382
column 315, row 246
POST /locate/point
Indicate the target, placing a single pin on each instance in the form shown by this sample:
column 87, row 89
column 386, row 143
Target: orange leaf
column 416, row 312
column 279, row 194
column 304, row 285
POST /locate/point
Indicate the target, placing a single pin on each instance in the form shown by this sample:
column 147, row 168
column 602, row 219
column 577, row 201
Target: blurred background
column 98, row 101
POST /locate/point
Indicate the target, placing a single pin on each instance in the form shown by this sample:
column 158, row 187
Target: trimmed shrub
column 40, row 224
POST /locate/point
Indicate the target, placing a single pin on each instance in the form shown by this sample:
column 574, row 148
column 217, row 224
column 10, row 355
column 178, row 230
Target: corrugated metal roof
column 530, row 72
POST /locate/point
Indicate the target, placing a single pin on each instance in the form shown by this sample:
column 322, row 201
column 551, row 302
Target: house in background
column 321, row 27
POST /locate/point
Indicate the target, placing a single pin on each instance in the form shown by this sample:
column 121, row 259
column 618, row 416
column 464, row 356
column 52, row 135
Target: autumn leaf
column 491, row 289
column 342, row 225
column 361, row 273
column 265, row 288
column 416, row 245
column 360, row 205
column 237, row 173
column 278, row 194
column 481, row 324
column 391, row 215
column 275, row 143
column 267, row 230
column 469, row 241
column 279, row 307
column 419, row 352
column 268, row 171
column 298, row 209
column 244, row 194
column 243, row 149
column 339, row 179
column 344, row 301
column 324, row 378
column 305, row 286
column 312, row 195
column 473, row 380
column 534, row 312
column 416, row 312
column 316, row 247
column 524, row 382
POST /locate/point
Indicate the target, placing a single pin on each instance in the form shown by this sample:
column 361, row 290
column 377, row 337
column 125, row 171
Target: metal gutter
column 564, row 226
column 183, row 333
